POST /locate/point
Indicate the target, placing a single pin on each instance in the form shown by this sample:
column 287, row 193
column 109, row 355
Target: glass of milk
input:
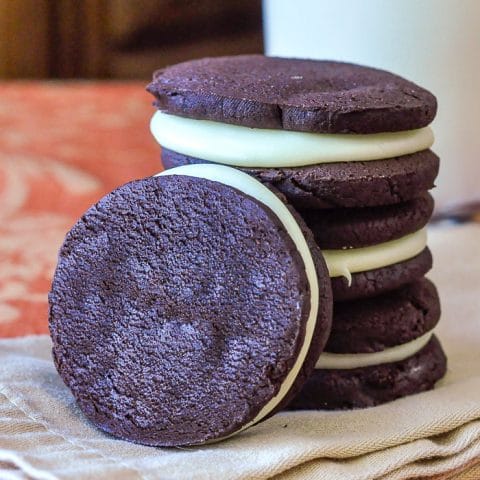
column 435, row 43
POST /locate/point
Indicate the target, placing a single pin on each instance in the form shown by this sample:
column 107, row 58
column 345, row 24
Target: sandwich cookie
column 380, row 349
column 187, row 307
column 389, row 241
column 326, row 134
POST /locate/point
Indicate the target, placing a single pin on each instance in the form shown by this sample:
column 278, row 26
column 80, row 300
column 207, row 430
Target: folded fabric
column 434, row 434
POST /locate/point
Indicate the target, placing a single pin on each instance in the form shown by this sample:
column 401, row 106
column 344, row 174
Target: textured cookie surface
column 343, row 184
column 292, row 94
column 177, row 309
column 375, row 324
column 380, row 280
column 360, row 227
column 370, row 386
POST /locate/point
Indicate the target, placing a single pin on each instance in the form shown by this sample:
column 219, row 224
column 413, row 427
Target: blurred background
column 120, row 38
column 435, row 43
column 65, row 142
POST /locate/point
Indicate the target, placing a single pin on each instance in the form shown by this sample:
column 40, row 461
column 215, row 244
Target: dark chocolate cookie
column 343, row 184
column 370, row 386
column 292, row 94
column 380, row 280
column 374, row 324
column 178, row 308
column 338, row 228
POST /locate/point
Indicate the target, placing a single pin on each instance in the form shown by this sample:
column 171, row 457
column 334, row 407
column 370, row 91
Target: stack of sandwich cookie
column 188, row 306
column 349, row 147
column 380, row 349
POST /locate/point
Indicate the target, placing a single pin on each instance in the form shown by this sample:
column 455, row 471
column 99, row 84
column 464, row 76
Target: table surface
column 62, row 147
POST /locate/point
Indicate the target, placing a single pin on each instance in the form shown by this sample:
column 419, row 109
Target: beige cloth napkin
column 434, row 434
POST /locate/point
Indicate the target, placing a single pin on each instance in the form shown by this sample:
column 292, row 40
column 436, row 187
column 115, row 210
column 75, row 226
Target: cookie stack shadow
column 367, row 213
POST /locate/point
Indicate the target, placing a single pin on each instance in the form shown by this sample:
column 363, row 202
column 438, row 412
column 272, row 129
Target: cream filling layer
column 257, row 147
column 346, row 361
column 250, row 186
column 342, row 263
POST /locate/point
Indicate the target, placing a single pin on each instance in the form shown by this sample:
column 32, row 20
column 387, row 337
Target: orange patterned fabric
column 62, row 147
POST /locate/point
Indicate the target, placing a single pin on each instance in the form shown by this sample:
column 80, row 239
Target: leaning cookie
column 187, row 307
column 380, row 349
column 326, row 134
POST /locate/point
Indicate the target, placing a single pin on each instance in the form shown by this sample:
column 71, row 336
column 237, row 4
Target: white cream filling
column 250, row 186
column 342, row 263
column 257, row 147
column 345, row 361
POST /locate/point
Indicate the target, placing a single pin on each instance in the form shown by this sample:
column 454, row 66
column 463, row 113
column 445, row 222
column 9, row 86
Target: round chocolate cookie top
column 360, row 227
column 374, row 324
column 178, row 310
column 292, row 94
